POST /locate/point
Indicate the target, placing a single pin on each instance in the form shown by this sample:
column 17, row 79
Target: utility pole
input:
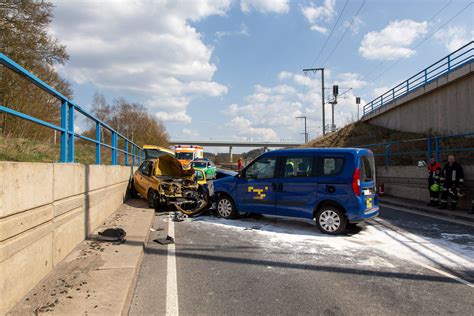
column 314, row 70
column 335, row 93
column 305, row 130
column 358, row 105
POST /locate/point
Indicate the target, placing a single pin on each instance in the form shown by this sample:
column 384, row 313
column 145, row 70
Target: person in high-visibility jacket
column 434, row 172
column 452, row 180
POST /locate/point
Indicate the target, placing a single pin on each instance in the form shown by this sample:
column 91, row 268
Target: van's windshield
column 367, row 168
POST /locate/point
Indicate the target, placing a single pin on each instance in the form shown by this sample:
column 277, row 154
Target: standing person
column 434, row 172
column 240, row 164
column 452, row 179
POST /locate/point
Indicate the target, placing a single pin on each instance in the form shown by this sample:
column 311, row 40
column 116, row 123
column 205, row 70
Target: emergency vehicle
column 187, row 153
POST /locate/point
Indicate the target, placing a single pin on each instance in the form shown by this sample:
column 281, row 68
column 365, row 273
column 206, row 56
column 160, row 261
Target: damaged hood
column 167, row 165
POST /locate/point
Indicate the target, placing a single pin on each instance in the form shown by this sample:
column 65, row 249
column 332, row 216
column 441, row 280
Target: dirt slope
column 360, row 133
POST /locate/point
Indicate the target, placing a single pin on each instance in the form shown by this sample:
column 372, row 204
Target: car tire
column 331, row 220
column 152, row 198
column 225, row 207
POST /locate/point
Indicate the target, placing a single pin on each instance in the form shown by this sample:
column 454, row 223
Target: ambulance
column 187, row 153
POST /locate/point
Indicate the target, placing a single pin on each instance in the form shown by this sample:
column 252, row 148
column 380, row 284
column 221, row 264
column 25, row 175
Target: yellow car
column 163, row 181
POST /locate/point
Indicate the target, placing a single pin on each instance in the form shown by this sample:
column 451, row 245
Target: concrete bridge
column 437, row 101
column 231, row 144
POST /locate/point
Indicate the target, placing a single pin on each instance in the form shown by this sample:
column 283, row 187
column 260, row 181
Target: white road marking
column 171, row 277
column 426, row 248
column 403, row 209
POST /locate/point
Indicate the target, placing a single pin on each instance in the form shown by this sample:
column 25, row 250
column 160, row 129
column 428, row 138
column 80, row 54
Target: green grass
column 25, row 150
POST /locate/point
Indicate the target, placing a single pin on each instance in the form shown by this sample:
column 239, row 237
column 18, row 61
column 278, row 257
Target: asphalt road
column 401, row 263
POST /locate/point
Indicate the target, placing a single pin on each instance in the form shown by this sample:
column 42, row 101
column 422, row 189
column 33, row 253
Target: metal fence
column 456, row 59
column 409, row 151
column 68, row 135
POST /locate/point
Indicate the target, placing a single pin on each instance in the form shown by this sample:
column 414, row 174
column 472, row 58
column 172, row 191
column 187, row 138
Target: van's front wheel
column 226, row 207
column 331, row 220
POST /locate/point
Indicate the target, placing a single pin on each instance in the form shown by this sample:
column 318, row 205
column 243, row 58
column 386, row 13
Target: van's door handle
column 280, row 187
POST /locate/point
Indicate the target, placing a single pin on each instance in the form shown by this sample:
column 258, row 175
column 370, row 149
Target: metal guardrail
column 433, row 147
column 456, row 59
column 68, row 108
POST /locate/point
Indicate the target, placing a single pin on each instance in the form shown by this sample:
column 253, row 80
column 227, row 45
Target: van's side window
column 298, row 167
column 263, row 168
column 331, row 166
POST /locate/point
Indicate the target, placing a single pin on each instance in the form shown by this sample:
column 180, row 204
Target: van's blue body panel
column 301, row 196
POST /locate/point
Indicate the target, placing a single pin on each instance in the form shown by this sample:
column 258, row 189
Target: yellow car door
column 141, row 178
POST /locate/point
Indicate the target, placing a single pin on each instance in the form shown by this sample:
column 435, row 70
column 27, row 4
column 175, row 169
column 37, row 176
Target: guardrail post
column 126, row 153
column 387, row 154
column 133, row 155
column 408, row 85
column 114, row 148
column 381, row 100
column 429, row 149
column 64, row 132
column 70, row 142
column 426, row 76
column 139, row 153
column 437, row 148
column 449, row 62
column 393, row 94
column 97, row 145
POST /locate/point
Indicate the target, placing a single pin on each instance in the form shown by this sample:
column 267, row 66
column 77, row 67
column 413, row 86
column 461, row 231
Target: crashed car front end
column 163, row 181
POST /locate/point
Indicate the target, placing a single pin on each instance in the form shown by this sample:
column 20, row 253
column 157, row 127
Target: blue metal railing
column 456, row 59
column 68, row 108
column 433, row 147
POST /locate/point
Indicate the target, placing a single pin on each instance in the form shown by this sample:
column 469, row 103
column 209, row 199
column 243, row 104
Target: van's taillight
column 356, row 182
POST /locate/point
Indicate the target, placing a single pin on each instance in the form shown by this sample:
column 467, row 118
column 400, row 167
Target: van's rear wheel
column 226, row 207
column 331, row 220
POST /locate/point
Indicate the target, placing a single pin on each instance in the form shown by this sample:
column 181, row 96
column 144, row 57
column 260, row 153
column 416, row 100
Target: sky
column 232, row 69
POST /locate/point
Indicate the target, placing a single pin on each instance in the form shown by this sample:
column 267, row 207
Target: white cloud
column 141, row 49
column 454, row 37
column 317, row 14
column 356, row 25
column 393, row 41
column 179, row 116
column 244, row 129
column 351, row 80
column 190, row 132
column 243, row 31
column 319, row 29
column 265, row 6
column 314, row 13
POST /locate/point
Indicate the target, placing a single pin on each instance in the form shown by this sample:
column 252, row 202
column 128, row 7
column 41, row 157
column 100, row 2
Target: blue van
column 333, row 186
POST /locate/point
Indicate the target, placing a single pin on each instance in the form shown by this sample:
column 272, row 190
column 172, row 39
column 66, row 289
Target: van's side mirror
column 421, row 164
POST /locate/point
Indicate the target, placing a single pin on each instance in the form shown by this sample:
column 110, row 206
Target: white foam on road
column 300, row 236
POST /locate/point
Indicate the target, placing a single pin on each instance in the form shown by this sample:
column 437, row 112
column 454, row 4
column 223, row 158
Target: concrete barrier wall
column 45, row 211
column 443, row 106
column 411, row 182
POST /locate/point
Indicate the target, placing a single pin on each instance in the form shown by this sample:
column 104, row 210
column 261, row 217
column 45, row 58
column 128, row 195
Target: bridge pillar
column 230, row 153
column 265, row 149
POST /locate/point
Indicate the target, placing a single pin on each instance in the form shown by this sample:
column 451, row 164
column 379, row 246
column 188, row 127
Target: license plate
column 369, row 203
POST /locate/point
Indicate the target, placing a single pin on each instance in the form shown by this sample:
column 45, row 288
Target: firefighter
column 452, row 180
column 434, row 172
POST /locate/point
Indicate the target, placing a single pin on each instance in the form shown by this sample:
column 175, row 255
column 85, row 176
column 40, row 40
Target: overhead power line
column 431, row 19
column 330, row 33
column 425, row 39
column 345, row 32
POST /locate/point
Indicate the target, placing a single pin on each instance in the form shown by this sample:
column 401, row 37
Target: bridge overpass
column 436, row 101
column 231, row 144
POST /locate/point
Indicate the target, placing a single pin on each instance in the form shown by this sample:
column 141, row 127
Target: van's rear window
column 331, row 166
column 367, row 168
